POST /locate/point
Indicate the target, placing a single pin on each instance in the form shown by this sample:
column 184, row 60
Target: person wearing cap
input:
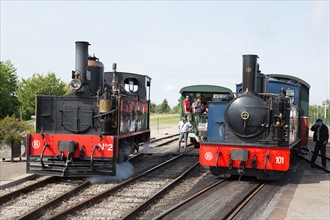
column 320, row 137
column 184, row 126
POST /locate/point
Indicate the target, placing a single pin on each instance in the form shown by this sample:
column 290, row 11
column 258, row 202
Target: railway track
column 24, row 190
column 47, row 188
column 227, row 207
column 123, row 199
column 36, row 197
column 32, row 182
column 28, row 210
column 168, row 194
column 164, row 140
column 241, row 204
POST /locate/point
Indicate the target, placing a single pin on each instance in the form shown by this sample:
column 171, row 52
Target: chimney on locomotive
column 80, row 81
column 250, row 70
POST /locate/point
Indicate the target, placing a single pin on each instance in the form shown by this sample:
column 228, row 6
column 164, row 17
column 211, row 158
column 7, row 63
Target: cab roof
column 206, row 89
column 291, row 78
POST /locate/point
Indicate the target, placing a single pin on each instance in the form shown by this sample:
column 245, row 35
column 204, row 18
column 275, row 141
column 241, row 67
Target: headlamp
column 75, row 84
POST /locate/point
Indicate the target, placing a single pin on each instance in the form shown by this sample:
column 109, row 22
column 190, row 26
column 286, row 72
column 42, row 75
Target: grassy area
column 164, row 118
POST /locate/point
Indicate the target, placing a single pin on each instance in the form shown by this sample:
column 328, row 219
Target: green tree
column 13, row 129
column 8, row 83
column 153, row 107
column 176, row 109
column 38, row 84
column 163, row 108
column 317, row 111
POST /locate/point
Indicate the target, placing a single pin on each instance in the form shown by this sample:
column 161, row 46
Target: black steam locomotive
column 89, row 130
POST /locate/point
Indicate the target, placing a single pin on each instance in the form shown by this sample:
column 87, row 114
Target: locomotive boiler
column 258, row 132
column 96, row 126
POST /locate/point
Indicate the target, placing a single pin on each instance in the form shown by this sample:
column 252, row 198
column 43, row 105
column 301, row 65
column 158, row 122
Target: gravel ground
column 25, row 203
column 175, row 195
column 129, row 197
column 142, row 163
column 20, row 185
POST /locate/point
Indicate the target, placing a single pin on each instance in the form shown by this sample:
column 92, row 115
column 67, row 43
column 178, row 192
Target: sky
column 176, row 43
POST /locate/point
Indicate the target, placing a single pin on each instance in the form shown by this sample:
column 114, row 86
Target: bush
column 13, row 129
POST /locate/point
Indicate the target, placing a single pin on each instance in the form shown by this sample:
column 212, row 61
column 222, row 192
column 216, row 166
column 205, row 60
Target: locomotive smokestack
column 250, row 73
column 82, row 59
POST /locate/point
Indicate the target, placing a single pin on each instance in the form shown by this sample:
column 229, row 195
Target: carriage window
column 217, row 96
column 290, row 92
column 131, row 85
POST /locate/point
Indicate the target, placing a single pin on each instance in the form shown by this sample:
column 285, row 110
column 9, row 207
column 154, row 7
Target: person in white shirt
column 184, row 127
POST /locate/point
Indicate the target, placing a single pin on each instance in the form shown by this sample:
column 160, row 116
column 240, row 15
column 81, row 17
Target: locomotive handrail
column 92, row 156
column 267, row 94
column 102, row 114
column 217, row 160
column 42, row 155
column 265, row 162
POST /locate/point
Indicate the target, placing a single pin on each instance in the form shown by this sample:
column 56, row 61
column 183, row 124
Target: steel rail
column 19, row 181
column 164, row 138
column 141, row 207
column 244, row 201
column 110, row 191
column 197, row 194
column 12, row 195
column 166, row 142
column 38, row 212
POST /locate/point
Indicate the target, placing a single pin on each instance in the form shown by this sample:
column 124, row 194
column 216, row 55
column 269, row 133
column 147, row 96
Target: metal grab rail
column 42, row 155
column 92, row 157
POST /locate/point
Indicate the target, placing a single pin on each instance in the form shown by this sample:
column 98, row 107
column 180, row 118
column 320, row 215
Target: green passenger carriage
column 199, row 121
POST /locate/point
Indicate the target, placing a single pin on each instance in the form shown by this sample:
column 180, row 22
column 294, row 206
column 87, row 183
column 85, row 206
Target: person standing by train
column 186, row 105
column 198, row 109
column 320, row 137
column 193, row 105
column 184, row 127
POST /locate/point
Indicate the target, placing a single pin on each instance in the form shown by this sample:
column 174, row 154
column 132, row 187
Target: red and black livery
column 90, row 130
